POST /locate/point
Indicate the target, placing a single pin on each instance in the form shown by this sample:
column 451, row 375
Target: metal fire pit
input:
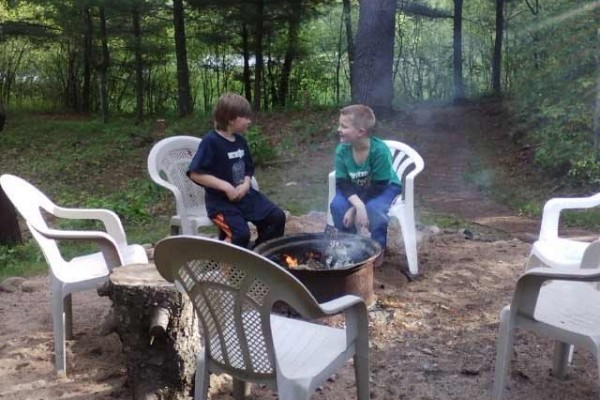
column 346, row 261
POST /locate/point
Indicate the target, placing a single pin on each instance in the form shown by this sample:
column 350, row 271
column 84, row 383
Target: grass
column 81, row 162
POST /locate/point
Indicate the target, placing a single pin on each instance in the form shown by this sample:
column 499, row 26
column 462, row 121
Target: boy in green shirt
column 366, row 183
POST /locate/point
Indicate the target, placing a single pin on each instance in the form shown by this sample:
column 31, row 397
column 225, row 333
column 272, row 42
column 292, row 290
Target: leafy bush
column 262, row 150
column 13, row 258
column 555, row 95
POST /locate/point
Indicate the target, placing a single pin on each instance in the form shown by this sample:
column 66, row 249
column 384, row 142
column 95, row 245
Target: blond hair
column 229, row 107
column 361, row 116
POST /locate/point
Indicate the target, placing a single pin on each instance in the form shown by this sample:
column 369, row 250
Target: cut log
column 158, row 330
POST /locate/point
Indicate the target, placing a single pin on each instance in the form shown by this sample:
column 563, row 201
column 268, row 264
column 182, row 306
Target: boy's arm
column 213, row 182
column 362, row 218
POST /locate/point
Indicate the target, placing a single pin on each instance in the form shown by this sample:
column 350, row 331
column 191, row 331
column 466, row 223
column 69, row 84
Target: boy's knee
column 279, row 216
column 241, row 237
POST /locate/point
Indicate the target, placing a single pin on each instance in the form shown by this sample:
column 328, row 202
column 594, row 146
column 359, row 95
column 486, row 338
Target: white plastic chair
column 80, row 273
column 168, row 163
column 233, row 291
column 558, row 303
column 408, row 164
column 551, row 249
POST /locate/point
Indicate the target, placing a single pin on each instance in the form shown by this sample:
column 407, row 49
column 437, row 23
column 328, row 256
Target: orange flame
column 291, row 261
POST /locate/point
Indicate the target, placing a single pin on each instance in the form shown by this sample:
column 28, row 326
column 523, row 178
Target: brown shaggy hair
column 229, row 107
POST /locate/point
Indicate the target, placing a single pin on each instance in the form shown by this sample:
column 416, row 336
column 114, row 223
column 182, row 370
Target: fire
column 291, row 261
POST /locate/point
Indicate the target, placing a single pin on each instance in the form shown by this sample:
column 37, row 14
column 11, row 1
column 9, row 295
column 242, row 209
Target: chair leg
column 58, row 320
column 503, row 354
column 409, row 235
column 202, row 379
column 361, row 372
column 68, row 310
column 563, row 355
column 241, row 389
column 287, row 390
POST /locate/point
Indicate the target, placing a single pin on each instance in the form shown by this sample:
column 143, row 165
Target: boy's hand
column 243, row 189
column 349, row 217
column 232, row 194
column 362, row 219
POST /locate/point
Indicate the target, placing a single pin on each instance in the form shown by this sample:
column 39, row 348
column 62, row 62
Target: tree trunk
column 2, row 116
column 258, row 67
column 10, row 234
column 87, row 59
column 497, row 61
column 71, row 95
column 374, row 54
column 347, row 15
column 139, row 65
column 183, row 74
column 459, row 88
column 103, row 67
column 596, row 123
column 291, row 52
column 246, row 53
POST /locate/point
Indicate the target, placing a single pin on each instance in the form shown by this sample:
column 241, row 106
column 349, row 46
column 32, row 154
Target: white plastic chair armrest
column 553, row 208
column 108, row 246
column 340, row 304
column 408, row 191
column 529, row 285
column 312, row 310
column 179, row 206
column 355, row 315
column 111, row 221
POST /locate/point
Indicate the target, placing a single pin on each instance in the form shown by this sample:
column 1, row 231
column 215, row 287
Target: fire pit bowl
column 329, row 266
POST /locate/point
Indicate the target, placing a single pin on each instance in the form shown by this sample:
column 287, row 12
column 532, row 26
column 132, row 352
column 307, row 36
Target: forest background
column 92, row 76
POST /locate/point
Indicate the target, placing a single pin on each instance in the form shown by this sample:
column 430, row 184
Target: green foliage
column 587, row 219
column 554, row 91
column 262, row 150
column 133, row 204
column 21, row 260
column 586, row 170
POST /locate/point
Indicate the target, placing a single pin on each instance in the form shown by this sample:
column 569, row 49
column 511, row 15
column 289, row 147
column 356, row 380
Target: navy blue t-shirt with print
column 230, row 161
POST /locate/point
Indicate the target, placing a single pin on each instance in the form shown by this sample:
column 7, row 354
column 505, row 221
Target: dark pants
column 377, row 211
column 234, row 228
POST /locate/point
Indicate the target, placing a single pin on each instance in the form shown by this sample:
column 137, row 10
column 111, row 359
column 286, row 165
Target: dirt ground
column 431, row 338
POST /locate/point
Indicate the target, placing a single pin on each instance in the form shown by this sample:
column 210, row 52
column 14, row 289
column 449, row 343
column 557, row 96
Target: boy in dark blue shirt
column 223, row 166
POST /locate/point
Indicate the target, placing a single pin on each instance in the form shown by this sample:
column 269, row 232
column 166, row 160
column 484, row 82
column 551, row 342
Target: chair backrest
column 168, row 163
column 233, row 290
column 30, row 202
column 407, row 164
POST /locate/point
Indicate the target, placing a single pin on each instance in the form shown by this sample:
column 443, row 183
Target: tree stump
column 158, row 329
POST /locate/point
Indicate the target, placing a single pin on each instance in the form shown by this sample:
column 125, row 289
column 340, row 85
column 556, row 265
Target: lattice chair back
column 168, row 163
column 233, row 291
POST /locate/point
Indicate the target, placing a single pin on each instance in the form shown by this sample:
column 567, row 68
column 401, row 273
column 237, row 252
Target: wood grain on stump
column 159, row 333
